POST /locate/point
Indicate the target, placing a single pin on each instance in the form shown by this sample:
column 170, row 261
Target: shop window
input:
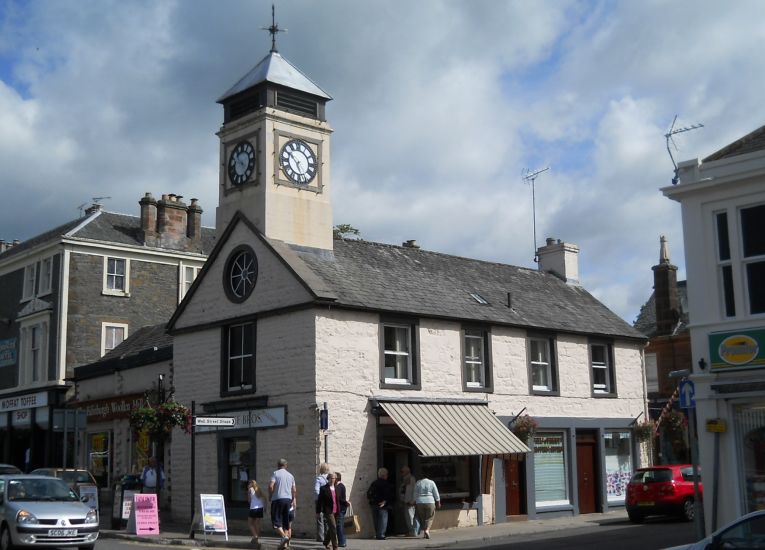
column 238, row 369
column 399, row 358
column 550, row 465
column 749, row 428
column 618, row 464
column 602, row 369
column 476, row 357
column 543, row 369
column 239, row 460
column 99, row 463
column 451, row 475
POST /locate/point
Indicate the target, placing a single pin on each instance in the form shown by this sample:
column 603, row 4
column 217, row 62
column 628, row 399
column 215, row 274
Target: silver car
column 746, row 533
column 43, row 511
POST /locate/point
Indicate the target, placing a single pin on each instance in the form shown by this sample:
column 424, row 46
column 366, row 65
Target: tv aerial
column 669, row 137
column 529, row 176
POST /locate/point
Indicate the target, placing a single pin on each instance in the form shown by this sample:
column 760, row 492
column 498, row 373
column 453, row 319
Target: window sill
column 234, row 393
column 546, row 393
column 115, row 293
column 604, row 395
column 388, row 386
column 478, row 389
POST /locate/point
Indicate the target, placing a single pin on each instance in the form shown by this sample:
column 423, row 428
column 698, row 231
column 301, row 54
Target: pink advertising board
column 146, row 514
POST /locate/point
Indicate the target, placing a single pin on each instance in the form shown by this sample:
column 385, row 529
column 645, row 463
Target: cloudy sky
column 439, row 107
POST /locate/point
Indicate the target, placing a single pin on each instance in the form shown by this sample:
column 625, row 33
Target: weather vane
column 273, row 29
column 672, row 131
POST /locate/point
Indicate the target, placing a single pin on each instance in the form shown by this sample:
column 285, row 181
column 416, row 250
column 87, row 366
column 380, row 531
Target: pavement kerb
column 176, row 536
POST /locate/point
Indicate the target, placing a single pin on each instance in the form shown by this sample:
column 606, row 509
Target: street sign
column 214, row 421
column 687, row 392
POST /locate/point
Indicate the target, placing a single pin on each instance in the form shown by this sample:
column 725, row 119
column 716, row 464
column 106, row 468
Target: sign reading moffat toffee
column 741, row 349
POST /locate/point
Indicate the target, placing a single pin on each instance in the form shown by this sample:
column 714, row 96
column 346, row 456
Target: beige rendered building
column 418, row 357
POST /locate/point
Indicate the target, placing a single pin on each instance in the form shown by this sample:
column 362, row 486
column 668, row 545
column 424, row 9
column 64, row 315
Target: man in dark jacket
column 381, row 496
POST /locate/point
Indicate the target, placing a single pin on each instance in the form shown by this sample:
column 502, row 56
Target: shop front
column 576, row 466
column 454, row 443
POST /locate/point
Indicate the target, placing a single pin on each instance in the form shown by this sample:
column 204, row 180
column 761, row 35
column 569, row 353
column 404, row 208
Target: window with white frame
column 550, row 465
column 30, row 277
column 476, row 359
column 112, row 335
column 602, row 369
column 399, row 361
column 753, row 245
column 725, row 266
column 188, row 275
column 34, row 350
column 542, row 368
column 116, row 276
column 239, row 369
column 46, row 276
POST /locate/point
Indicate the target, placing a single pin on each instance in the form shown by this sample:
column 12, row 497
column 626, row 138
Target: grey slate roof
column 395, row 279
column 103, row 226
column 754, row 141
column 277, row 70
column 145, row 346
column 646, row 319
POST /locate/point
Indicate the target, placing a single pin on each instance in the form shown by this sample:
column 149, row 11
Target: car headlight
column 26, row 518
column 91, row 517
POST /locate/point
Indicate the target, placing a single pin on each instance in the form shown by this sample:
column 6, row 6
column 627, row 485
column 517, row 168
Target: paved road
column 652, row 535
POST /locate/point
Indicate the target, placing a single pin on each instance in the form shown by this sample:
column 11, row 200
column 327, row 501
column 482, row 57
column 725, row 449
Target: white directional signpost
column 214, row 421
column 687, row 394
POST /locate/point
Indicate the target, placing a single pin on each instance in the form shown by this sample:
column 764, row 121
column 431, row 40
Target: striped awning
column 453, row 429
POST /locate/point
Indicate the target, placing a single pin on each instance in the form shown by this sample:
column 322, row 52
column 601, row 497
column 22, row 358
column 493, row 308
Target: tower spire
column 273, row 29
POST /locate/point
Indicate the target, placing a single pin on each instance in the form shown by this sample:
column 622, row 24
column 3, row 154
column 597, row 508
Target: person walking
column 149, row 477
column 257, row 502
column 321, row 481
column 342, row 498
column 283, row 493
column 426, row 500
column 329, row 505
column 406, row 497
column 381, row 497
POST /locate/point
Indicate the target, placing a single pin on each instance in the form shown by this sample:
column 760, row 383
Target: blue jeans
column 341, row 528
column 381, row 521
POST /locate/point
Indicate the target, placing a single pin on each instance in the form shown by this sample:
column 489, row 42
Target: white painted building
column 723, row 208
column 421, row 358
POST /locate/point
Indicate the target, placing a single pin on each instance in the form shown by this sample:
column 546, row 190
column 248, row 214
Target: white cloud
column 438, row 108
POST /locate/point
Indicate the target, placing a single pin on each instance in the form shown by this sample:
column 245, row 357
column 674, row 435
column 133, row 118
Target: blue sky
column 438, row 107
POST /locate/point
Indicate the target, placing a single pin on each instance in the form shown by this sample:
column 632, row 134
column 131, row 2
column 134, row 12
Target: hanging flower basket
column 644, row 431
column 159, row 420
column 675, row 422
column 524, row 427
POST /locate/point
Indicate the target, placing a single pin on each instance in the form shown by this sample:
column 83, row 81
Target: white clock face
column 298, row 161
column 241, row 163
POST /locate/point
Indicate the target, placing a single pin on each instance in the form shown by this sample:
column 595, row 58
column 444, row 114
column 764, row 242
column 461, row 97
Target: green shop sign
column 737, row 349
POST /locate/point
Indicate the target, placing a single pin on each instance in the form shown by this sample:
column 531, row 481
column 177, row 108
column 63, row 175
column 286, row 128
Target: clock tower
column 274, row 154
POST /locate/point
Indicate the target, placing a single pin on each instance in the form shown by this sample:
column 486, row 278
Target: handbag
column 351, row 521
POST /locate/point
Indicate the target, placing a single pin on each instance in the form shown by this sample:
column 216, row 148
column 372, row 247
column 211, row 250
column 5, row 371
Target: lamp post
column 698, row 509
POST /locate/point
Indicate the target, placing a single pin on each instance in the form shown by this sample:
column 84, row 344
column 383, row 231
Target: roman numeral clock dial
column 298, row 161
column 241, row 163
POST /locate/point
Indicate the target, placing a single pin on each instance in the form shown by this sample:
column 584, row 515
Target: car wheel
column 6, row 543
column 688, row 509
column 635, row 517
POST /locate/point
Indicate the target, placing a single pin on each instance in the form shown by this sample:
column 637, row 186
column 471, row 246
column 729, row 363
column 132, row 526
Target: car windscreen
column 39, row 489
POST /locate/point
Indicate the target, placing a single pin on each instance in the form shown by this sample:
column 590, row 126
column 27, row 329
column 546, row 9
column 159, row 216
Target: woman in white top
column 257, row 502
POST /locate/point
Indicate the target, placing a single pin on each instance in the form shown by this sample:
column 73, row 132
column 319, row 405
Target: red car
column 662, row 490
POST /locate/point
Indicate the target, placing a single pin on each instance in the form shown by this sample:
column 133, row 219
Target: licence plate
column 645, row 503
column 62, row 532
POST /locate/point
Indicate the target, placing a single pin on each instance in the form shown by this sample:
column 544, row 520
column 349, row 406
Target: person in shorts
column 283, row 494
column 257, row 501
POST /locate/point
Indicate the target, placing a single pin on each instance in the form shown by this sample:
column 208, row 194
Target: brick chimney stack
column 561, row 259
column 194, row 223
column 148, row 216
column 665, row 292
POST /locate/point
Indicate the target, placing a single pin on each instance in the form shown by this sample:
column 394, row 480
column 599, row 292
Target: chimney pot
column 550, row 241
column 561, row 259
